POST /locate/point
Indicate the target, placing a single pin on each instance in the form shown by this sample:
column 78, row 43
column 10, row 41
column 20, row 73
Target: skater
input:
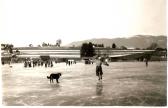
column 99, row 71
column 51, row 64
column 146, row 61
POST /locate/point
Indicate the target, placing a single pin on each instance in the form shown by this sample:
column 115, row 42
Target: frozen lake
column 124, row 83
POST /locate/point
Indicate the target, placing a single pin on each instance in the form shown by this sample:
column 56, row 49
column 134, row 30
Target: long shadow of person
column 99, row 88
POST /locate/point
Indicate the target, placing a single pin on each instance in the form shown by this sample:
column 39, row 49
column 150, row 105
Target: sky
column 24, row 22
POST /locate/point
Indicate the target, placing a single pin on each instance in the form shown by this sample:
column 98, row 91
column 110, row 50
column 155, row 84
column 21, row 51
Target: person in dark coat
column 146, row 62
column 99, row 71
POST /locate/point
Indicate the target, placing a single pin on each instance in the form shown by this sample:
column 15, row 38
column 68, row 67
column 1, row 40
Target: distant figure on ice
column 51, row 64
column 99, row 71
column 146, row 61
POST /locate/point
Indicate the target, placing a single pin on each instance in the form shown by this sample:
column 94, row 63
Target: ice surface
column 124, row 83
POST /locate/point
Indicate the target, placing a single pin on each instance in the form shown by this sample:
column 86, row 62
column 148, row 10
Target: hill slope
column 138, row 41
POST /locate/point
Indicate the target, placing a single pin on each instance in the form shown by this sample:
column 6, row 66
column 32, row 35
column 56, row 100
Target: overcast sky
column 36, row 21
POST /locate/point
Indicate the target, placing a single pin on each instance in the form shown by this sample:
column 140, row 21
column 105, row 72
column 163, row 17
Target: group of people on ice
column 34, row 63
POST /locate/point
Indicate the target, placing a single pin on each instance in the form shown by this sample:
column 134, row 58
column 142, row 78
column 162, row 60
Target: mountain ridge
column 137, row 41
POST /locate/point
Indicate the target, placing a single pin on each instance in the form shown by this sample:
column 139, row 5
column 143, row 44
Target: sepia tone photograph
column 83, row 53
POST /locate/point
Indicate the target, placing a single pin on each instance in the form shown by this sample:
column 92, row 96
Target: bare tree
column 58, row 42
column 7, row 47
column 114, row 46
column 30, row 45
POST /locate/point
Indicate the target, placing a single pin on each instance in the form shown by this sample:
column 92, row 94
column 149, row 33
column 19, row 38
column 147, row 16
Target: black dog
column 54, row 76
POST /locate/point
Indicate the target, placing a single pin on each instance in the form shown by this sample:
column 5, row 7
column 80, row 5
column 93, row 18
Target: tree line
column 45, row 44
column 57, row 44
column 88, row 49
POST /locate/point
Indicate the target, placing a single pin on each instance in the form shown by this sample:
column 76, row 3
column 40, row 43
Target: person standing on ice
column 146, row 62
column 99, row 71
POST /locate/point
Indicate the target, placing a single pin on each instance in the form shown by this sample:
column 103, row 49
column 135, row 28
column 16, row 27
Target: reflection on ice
column 55, row 86
column 99, row 88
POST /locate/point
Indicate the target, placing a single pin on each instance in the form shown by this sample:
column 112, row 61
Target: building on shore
column 65, row 53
